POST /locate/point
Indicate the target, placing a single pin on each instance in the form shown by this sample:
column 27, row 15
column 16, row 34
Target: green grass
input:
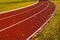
column 52, row 30
column 13, row 5
column 4, row 1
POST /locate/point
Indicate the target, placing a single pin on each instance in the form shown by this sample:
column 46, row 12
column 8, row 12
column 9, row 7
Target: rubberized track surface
column 24, row 23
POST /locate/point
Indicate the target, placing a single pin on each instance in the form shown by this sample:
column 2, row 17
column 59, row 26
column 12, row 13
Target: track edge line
column 42, row 25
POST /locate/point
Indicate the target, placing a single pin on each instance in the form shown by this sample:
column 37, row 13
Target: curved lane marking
column 42, row 25
column 25, row 19
column 22, row 12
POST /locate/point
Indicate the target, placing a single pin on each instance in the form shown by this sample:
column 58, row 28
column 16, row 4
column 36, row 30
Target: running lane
column 14, row 19
column 26, row 25
column 17, row 12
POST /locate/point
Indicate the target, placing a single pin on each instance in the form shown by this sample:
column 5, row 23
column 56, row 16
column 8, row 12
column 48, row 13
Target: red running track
column 24, row 25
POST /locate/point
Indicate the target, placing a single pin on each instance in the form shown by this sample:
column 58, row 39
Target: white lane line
column 42, row 25
column 22, row 12
column 24, row 19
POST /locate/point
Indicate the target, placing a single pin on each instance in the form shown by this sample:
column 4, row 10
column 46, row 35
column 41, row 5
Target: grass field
column 4, row 1
column 13, row 5
column 52, row 30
